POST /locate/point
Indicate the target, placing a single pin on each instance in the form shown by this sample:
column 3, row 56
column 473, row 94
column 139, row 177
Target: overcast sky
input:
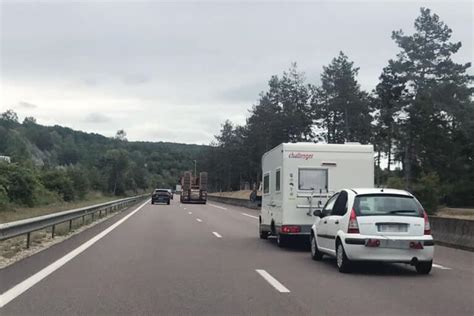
column 176, row 71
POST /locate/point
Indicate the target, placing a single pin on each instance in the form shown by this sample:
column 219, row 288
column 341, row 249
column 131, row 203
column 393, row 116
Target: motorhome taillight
column 427, row 224
column 416, row 245
column 353, row 225
column 290, row 229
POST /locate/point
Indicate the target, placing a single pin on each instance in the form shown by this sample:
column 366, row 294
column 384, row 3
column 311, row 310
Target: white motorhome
column 298, row 178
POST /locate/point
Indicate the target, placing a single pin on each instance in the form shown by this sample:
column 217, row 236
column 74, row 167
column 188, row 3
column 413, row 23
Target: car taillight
column 353, row 225
column 288, row 229
column 427, row 224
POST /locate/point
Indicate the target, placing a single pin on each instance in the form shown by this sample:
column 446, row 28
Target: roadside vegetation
column 419, row 117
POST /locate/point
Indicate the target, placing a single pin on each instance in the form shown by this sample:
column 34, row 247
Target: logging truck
column 193, row 189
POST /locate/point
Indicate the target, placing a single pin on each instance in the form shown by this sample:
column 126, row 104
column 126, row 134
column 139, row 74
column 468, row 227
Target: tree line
column 419, row 117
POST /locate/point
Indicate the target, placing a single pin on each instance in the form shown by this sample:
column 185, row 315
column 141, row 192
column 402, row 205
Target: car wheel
column 168, row 202
column 315, row 253
column 282, row 240
column 343, row 263
column 423, row 267
column 152, row 202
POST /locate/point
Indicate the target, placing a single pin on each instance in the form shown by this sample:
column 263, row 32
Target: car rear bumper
column 160, row 200
column 356, row 249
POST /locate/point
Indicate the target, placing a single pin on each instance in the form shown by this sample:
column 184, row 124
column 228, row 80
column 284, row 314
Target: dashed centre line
column 273, row 282
column 440, row 267
column 217, row 234
column 217, row 206
column 190, row 213
column 199, row 220
column 252, row 216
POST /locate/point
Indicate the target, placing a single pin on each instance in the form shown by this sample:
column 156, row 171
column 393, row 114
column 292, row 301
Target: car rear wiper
column 402, row 211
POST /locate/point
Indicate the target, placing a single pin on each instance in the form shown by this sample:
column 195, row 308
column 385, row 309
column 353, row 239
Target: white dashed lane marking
column 199, row 220
column 217, row 234
column 440, row 267
column 217, row 206
column 248, row 215
column 274, row 282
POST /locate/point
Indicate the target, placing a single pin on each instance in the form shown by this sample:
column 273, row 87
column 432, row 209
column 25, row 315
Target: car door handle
column 325, row 222
column 337, row 222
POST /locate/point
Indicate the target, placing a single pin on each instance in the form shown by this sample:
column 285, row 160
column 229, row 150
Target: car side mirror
column 318, row 213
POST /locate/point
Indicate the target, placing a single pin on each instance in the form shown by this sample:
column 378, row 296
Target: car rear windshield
column 387, row 204
column 161, row 192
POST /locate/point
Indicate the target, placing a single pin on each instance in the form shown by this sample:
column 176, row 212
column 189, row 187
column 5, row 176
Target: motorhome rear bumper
column 305, row 230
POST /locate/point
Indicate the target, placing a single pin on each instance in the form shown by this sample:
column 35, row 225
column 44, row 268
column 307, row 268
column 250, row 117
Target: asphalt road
column 203, row 260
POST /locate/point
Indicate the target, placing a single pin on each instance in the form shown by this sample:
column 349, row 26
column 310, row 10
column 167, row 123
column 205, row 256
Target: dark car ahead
column 160, row 196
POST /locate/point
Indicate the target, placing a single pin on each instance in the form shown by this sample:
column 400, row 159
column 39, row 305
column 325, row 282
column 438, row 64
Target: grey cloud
column 90, row 81
column 162, row 57
column 96, row 118
column 248, row 92
column 26, row 105
column 136, row 79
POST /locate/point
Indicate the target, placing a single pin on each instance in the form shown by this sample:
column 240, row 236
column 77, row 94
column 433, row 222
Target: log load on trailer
column 194, row 189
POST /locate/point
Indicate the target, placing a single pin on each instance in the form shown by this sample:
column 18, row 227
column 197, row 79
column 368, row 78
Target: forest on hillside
column 51, row 163
column 419, row 117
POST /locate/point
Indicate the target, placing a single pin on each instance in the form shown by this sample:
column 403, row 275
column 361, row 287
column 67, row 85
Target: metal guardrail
column 27, row 226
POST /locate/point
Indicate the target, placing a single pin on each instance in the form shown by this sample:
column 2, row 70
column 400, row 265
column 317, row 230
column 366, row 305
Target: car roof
column 362, row 191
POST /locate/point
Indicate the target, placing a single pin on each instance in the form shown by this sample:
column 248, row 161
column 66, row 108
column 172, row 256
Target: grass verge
column 18, row 213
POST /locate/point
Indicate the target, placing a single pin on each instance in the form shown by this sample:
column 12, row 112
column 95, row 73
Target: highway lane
column 163, row 261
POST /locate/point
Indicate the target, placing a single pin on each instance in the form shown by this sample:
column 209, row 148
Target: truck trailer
column 299, row 178
column 194, row 189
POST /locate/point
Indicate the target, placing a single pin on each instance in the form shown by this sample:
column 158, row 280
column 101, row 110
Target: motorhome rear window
column 313, row 179
column 266, row 183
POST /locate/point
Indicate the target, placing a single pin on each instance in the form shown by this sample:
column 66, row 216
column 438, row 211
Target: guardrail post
column 83, row 219
column 28, row 240
column 52, row 231
column 92, row 216
column 70, row 225
column 100, row 213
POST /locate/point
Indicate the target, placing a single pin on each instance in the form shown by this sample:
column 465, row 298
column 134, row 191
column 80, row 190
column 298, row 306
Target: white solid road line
column 217, row 206
column 440, row 267
column 199, row 220
column 217, row 234
column 245, row 214
column 20, row 288
column 274, row 282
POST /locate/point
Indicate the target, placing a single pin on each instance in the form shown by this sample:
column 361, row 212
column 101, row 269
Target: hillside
column 71, row 163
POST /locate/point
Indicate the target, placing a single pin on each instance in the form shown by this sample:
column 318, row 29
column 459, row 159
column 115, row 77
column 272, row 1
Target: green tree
column 19, row 183
column 57, row 180
column 435, row 132
column 342, row 109
column 116, row 163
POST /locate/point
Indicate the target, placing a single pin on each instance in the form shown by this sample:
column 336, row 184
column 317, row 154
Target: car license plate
column 392, row 228
column 395, row 244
